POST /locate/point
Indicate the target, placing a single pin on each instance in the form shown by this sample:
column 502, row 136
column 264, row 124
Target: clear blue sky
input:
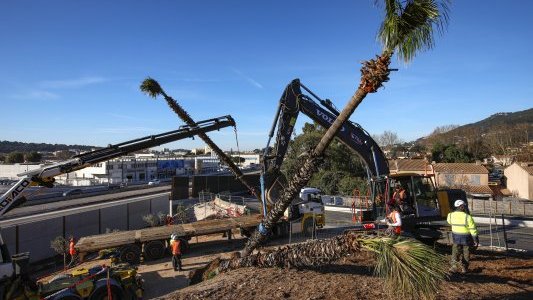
column 70, row 70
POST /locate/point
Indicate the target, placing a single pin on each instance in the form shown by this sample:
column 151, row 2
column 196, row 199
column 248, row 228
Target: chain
column 237, row 141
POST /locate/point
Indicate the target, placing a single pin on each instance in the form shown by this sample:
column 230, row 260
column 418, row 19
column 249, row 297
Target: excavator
column 116, row 282
column 426, row 203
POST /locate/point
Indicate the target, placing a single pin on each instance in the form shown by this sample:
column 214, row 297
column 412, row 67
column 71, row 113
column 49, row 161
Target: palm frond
column 408, row 27
column 151, row 87
column 410, row 268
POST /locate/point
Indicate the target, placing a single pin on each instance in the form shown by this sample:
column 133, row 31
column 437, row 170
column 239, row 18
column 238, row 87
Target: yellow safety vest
column 462, row 223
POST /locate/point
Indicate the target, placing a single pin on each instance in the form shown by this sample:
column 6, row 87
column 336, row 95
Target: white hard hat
column 458, row 203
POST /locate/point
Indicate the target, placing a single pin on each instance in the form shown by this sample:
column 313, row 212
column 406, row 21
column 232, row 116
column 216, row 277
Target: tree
column 15, row 158
column 388, row 139
column 418, row 149
column 152, row 220
column 33, row 156
column 407, row 28
column 64, row 154
column 181, row 214
column 2, row 158
column 337, row 158
column 153, row 89
column 238, row 159
column 443, row 129
column 450, row 154
column 60, row 246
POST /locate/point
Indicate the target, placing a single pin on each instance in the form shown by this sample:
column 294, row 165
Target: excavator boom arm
column 292, row 102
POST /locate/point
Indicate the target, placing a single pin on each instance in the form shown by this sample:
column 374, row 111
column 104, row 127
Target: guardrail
column 512, row 207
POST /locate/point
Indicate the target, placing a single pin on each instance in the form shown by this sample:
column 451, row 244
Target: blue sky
column 70, row 70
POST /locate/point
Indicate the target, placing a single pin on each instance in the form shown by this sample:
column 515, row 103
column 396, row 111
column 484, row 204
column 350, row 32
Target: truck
column 105, row 282
column 428, row 203
column 152, row 243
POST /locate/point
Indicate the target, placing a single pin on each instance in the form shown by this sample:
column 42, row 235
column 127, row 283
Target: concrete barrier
column 36, row 236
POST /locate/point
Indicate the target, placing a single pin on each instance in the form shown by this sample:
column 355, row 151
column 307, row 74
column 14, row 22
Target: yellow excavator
column 426, row 204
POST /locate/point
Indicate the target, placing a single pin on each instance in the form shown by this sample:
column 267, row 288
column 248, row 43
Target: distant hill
column 500, row 132
column 7, row 147
column 499, row 120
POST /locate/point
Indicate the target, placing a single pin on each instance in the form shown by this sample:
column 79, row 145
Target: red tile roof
column 460, row 168
column 409, row 165
column 473, row 189
column 527, row 166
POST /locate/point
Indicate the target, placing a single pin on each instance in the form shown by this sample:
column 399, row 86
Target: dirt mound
column 493, row 276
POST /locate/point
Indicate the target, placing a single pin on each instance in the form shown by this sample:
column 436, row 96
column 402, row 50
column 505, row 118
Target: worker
column 399, row 195
column 465, row 235
column 72, row 251
column 394, row 221
column 175, row 247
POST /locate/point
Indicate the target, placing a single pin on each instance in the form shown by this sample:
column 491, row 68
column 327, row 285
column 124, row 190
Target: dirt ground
column 493, row 276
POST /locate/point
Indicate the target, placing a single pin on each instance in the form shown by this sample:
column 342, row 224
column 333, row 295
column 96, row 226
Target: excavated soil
column 492, row 276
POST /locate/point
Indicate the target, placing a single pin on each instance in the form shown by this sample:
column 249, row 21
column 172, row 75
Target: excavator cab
column 417, row 195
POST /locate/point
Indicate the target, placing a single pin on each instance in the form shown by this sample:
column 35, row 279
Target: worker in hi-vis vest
column 464, row 233
column 175, row 248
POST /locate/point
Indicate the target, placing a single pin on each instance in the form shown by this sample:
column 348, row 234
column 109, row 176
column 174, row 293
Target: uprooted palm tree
column 408, row 27
column 152, row 88
column 411, row 269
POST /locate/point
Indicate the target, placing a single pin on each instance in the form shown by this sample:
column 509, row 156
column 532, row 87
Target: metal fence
column 513, row 207
column 500, row 234
column 507, row 206
column 298, row 233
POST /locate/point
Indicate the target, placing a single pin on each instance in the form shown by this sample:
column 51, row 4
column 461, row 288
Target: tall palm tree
column 408, row 27
column 411, row 269
column 152, row 88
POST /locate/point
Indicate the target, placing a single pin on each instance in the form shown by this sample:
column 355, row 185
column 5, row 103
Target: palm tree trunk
column 309, row 254
column 173, row 104
column 373, row 74
column 411, row 269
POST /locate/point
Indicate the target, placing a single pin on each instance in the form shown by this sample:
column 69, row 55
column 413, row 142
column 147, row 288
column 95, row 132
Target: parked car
column 154, row 182
column 72, row 192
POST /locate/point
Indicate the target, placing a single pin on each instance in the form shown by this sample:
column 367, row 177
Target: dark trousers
column 458, row 261
column 176, row 262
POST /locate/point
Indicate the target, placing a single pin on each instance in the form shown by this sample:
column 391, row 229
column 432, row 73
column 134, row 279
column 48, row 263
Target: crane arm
column 44, row 176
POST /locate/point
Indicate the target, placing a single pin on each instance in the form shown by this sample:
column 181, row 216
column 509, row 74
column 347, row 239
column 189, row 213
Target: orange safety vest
column 175, row 245
column 397, row 229
column 72, row 250
column 399, row 196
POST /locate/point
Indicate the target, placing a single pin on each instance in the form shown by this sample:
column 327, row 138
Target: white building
column 520, row 179
column 141, row 169
column 250, row 160
column 10, row 171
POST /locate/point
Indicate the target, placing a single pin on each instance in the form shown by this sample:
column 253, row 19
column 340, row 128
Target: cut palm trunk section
column 152, row 88
column 411, row 269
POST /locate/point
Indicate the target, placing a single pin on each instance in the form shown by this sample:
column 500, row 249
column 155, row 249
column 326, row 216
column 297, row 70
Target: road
column 520, row 237
column 33, row 213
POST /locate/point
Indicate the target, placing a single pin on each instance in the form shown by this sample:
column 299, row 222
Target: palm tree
column 408, row 28
column 152, row 88
column 411, row 269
